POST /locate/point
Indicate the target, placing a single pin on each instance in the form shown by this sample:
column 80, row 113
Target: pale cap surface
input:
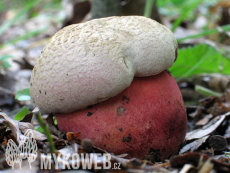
column 87, row 63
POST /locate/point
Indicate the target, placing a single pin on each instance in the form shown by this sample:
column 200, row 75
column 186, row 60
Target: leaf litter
column 206, row 144
column 206, row 147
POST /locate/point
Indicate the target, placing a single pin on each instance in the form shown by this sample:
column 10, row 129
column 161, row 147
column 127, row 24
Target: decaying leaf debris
column 206, row 145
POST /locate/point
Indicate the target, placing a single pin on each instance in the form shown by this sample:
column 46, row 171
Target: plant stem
column 148, row 8
column 24, row 37
column 186, row 12
column 46, row 130
column 208, row 32
column 207, row 91
column 6, row 25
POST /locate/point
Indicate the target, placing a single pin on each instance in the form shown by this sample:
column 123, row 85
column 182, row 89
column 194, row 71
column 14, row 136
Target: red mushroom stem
column 147, row 116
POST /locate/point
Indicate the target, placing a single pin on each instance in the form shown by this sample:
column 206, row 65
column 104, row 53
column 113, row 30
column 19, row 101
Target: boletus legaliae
column 107, row 78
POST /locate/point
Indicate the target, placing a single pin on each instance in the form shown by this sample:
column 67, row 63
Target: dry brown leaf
column 20, row 127
column 207, row 167
column 199, row 133
column 223, row 4
column 52, row 126
column 205, row 120
column 73, row 135
column 186, row 168
column 193, row 145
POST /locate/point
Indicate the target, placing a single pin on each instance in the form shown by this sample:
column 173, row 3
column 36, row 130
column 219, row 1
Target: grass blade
column 7, row 24
column 187, row 11
column 148, row 8
column 205, row 33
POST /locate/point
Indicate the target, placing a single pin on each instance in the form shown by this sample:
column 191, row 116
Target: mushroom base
column 148, row 117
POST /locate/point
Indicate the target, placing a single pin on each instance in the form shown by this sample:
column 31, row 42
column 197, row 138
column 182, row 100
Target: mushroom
column 106, row 78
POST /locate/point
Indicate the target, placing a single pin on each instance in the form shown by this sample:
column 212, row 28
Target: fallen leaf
column 218, row 143
column 73, row 135
column 199, row 133
column 207, row 167
column 186, row 168
column 204, row 120
column 20, row 127
column 193, row 145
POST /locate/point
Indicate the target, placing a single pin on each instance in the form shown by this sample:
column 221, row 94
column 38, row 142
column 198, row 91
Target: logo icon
column 27, row 148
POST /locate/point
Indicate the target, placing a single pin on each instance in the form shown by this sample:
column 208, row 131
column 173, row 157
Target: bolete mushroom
column 98, row 78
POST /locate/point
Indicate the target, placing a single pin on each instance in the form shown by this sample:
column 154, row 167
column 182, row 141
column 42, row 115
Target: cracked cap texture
column 87, row 63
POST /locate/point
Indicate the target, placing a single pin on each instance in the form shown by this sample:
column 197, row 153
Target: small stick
column 6, row 91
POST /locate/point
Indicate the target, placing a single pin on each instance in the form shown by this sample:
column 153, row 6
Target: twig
column 6, row 91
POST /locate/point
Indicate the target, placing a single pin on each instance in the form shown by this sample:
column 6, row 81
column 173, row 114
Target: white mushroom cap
column 87, row 63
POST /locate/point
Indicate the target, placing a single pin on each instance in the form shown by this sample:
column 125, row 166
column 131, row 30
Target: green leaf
column 4, row 61
column 185, row 13
column 7, row 24
column 201, row 58
column 40, row 129
column 23, row 95
column 181, row 9
column 20, row 115
column 55, row 120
